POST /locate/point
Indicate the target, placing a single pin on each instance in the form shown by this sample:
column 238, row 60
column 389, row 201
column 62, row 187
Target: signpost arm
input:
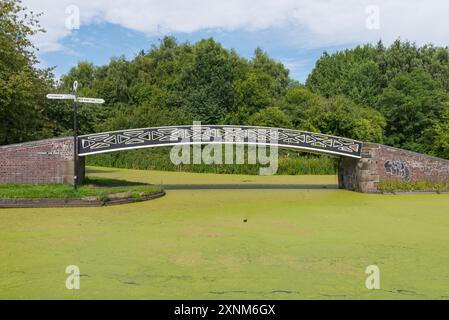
column 75, row 99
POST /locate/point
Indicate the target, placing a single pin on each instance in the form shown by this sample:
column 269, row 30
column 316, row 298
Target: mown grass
column 93, row 186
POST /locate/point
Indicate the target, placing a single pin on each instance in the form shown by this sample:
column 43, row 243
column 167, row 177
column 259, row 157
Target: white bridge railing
column 222, row 134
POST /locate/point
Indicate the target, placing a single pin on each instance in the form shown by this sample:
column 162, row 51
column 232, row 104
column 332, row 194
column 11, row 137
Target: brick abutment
column 40, row 162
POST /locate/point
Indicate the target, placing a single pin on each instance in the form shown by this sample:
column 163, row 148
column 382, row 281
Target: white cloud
column 307, row 23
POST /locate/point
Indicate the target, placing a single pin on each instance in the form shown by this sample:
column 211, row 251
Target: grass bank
column 401, row 185
column 99, row 187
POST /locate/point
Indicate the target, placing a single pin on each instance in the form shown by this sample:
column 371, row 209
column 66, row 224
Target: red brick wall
column 44, row 161
column 380, row 162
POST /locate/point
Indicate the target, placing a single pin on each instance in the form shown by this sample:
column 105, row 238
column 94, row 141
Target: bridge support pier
column 40, row 162
column 383, row 163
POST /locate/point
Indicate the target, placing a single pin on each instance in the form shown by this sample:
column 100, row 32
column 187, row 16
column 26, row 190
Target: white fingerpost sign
column 74, row 97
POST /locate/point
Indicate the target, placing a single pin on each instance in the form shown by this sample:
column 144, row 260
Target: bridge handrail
column 162, row 136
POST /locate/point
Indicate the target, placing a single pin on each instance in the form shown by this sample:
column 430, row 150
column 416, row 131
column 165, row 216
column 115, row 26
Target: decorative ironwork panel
column 168, row 136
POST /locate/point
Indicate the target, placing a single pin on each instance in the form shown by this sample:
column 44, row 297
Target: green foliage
column 353, row 73
column 300, row 103
column 97, row 187
column 440, row 134
column 210, row 93
column 391, row 185
column 408, row 84
column 412, row 103
column 271, row 117
column 22, row 86
column 251, row 95
column 337, row 115
column 363, row 72
column 84, row 73
column 341, row 116
column 178, row 83
column 278, row 75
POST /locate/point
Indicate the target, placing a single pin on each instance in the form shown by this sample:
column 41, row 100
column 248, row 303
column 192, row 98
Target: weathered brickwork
column 380, row 162
column 45, row 161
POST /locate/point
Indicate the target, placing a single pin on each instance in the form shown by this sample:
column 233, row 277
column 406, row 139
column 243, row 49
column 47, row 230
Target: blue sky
column 295, row 32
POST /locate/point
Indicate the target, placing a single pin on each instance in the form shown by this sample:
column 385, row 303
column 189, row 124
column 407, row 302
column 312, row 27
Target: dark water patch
column 258, row 292
column 98, row 171
column 405, row 292
column 224, row 292
column 333, row 295
column 285, row 291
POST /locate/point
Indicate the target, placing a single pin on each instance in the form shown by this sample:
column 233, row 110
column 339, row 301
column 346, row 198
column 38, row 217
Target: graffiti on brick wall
column 397, row 168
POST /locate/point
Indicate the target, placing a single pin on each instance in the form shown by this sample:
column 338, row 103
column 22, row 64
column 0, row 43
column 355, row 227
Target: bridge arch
column 217, row 134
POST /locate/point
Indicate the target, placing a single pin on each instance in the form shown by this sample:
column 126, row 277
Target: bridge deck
column 221, row 134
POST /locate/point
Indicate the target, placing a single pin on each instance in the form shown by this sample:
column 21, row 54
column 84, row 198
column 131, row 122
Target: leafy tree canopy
column 408, row 84
column 22, row 85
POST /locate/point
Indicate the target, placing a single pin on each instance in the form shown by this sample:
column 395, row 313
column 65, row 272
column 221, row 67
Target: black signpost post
column 76, row 99
column 75, row 134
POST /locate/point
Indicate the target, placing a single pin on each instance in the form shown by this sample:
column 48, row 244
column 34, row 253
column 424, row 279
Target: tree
column 252, row 94
column 210, row 95
column 342, row 117
column 271, row 117
column 298, row 103
column 22, row 86
column 363, row 72
column 353, row 73
column 274, row 69
column 406, row 83
column 84, row 73
column 337, row 115
column 412, row 103
column 115, row 82
column 440, row 134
